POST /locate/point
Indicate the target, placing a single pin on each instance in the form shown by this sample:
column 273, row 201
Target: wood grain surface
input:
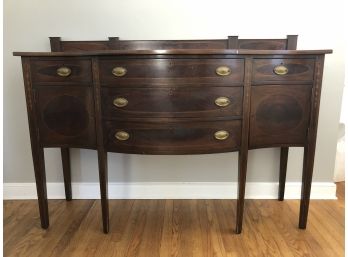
column 45, row 71
column 172, row 102
column 151, row 228
column 232, row 42
column 173, row 137
column 169, row 71
column 71, row 103
column 176, row 52
column 66, row 116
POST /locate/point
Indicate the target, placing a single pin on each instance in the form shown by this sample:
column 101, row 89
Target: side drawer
column 181, row 137
column 62, row 70
column 173, row 101
column 162, row 71
column 283, row 70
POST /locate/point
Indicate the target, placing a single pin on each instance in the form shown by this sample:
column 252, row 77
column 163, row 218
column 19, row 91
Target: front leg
column 307, row 173
column 284, row 151
column 66, row 172
column 40, row 178
column 242, row 169
column 103, row 180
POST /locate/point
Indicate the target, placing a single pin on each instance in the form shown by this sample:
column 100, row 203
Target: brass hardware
column 119, row 71
column 122, row 135
column 120, row 102
column 221, row 135
column 222, row 101
column 280, row 70
column 63, row 71
column 223, row 71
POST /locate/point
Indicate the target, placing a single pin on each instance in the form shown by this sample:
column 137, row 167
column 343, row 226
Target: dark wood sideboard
column 173, row 97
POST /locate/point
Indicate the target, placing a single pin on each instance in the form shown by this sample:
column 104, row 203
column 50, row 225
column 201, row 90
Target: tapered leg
column 66, row 172
column 103, row 180
column 40, row 178
column 284, row 151
column 36, row 150
column 307, row 173
column 242, row 169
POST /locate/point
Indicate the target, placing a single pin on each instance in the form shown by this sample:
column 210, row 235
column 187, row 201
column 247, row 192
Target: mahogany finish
column 232, row 42
column 186, row 137
column 172, row 102
column 298, row 69
column 279, row 115
column 169, row 71
column 66, row 116
column 173, row 97
column 284, row 152
column 65, row 152
column 45, row 71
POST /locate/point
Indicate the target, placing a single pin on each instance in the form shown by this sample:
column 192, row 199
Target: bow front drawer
column 115, row 72
column 177, row 137
column 283, row 70
column 172, row 102
column 61, row 70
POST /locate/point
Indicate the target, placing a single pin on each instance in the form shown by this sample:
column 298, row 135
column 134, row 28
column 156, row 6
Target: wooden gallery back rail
column 173, row 97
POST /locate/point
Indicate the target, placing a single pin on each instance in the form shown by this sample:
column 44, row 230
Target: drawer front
column 66, row 116
column 283, row 70
column 169, row 102
column 162, row 71
column 68, row 70
column 279, row 115
column 172, row 137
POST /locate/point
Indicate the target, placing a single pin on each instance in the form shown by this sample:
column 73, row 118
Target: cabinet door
column 66, row 116
column 279, row 115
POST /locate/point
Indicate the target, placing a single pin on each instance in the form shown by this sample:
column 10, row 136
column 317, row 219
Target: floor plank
column 176, row 228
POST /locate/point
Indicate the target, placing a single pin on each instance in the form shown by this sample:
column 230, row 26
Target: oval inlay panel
column 66, row 115
column 278, row 114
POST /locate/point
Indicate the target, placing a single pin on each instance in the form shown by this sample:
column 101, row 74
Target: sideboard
column 173, row 97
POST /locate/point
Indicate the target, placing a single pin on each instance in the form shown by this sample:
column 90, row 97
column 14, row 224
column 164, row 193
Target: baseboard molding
column 171, row 190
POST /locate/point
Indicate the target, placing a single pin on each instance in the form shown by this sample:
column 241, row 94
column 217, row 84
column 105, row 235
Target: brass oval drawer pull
column 221, row 135
column 280, row 70
column 119, row 71
column 120, row 102
column 122, row 135
column 223, row 71
column 222, row 101
column 63, row 71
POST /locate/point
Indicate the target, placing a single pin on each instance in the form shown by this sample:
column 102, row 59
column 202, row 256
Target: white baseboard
column 170, row 190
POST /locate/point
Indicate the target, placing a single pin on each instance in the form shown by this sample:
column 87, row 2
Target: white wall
column 28, row 24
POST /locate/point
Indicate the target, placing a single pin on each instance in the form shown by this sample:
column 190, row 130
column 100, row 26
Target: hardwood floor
column 151, row 228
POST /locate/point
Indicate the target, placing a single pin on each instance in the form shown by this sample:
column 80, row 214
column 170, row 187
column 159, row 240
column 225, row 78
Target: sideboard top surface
column 178, row 52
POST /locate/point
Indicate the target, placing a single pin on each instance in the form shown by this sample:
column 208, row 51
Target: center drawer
column 115, row 72
column 172, row 102
column 177, row 137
